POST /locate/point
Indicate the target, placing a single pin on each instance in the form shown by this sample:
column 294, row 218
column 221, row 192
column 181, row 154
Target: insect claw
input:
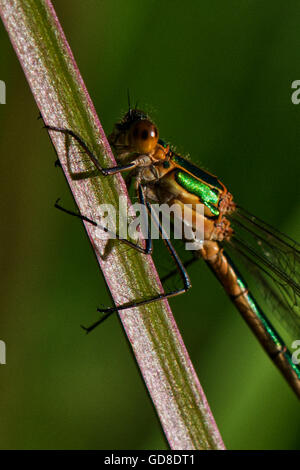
column 56, row 203
column 107, row 311
column 87, row 330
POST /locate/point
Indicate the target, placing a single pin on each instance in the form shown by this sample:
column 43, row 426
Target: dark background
column 216, row 77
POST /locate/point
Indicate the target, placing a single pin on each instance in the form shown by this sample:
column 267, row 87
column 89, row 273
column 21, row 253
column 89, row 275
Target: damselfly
column 161, row 175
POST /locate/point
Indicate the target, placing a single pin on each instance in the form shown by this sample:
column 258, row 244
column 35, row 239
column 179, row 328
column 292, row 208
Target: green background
column 216, row 76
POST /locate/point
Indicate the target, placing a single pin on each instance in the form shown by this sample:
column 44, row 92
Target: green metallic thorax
column 197, row 172
column 208, row 196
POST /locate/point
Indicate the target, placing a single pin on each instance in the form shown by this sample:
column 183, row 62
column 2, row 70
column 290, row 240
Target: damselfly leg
column 164, row 295
column 148, row 250
column 94, row 159
column 180, row 268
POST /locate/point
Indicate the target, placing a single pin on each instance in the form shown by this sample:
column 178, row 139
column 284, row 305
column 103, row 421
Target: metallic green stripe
column 293, row 366
column 261, row 316
column 269, row 328
column 194, row 170
column 194, row 186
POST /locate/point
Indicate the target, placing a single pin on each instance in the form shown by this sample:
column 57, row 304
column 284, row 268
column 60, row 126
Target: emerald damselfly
column 161, row 175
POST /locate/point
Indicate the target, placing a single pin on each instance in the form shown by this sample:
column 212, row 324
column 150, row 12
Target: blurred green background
column 217, row 79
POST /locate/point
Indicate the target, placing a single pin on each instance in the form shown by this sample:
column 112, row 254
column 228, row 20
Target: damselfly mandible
column 161, row 175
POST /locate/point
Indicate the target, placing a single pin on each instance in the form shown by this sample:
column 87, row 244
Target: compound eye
column 143, row 136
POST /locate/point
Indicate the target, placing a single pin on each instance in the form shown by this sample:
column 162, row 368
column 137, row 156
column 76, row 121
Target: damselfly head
column 143, row 136
column 137, row 132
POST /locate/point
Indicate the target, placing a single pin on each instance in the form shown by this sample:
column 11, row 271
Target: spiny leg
column 179, row 265
column 186, row 264
column 105, row 172
column 57, row 161
column 94, row 159
column 147, row 250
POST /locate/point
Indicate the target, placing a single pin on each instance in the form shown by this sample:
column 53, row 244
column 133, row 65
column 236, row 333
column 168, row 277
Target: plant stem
column 63, row 101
